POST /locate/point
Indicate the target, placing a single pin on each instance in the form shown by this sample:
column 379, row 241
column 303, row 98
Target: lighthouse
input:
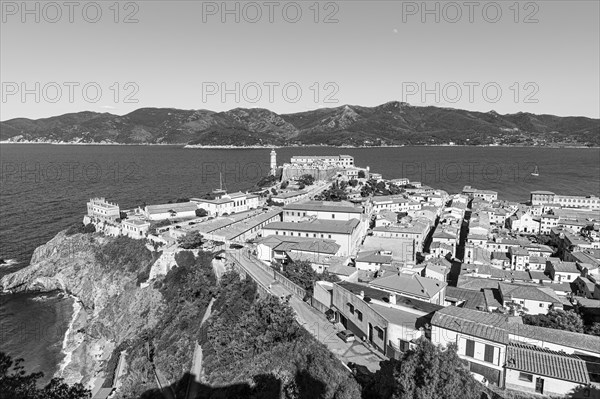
column 273, row 162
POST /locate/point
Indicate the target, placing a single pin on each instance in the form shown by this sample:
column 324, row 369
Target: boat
column 220, row 191
column 535, row 172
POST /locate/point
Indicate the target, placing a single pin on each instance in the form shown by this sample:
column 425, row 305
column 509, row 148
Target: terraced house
column 500, row 350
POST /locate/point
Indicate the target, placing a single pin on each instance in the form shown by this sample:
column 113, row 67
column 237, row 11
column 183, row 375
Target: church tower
column 273, row 162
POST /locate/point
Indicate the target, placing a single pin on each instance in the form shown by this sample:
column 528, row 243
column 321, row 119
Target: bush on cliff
column 125, row 254
column 80, row 228
column 256, row 348
column 15, row 383
column 187, row 290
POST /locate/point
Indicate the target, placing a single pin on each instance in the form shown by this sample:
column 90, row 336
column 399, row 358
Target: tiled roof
column 474, row 283
column 472, row 299
column 528, row 292
column 443, row 234
column 341, row 269
column 323, row 207
column 442, row 245
column 177, row 207
column 562, row 267
column 538, row 275
column 518, row 251
column 472, row 322
column 410, row 284
column 373, row 257
column 559, row 337
column 545, row 362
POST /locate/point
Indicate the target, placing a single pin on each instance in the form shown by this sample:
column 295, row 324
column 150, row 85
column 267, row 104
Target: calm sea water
column 44, row 189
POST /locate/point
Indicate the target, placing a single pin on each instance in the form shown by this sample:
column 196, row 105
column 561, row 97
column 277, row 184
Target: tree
column 426, row 372
column 284, row 184
column 558, row 319
column 15, row 383
column 185, row 259
column 154, row 226
column 361, row 174
column 201, row 212
column 353, row 182
column 306, row 179
column 273, row 191
column 191, row 240
column 594, row 329
column 122, row 215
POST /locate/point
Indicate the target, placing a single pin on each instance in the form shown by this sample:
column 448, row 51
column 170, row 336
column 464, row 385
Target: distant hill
column 393, row 123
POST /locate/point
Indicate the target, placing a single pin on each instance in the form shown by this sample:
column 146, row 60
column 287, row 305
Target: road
column 311, row 319
column 196, row 370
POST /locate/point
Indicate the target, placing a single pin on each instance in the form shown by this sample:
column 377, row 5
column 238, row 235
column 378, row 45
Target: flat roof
column 323, row 206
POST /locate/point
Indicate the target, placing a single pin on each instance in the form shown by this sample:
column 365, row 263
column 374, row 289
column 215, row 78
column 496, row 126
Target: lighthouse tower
column 273, row 162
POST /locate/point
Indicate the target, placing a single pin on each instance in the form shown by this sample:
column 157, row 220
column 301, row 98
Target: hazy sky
column 507, row 56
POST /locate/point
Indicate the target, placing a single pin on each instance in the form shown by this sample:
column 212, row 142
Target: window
column 404, row 346
column 470, row 349
column 489, row 354
column 379, row 332
column 359, row 314
column 329, row 235
column 351, row 308
column 333, row 215
column 526, row 377
column 541, row 305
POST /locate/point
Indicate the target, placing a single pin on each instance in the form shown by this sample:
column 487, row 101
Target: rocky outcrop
column 114, row 307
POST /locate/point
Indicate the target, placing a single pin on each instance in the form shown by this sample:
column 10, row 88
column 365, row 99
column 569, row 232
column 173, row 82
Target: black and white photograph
column 310, row 199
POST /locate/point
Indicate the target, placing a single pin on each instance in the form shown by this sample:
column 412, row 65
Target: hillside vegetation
column 392, row 123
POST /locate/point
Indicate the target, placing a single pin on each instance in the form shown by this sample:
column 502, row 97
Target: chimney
column 362, row 294
column 393, row 299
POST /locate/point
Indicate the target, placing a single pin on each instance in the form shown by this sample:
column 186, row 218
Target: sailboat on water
column 535, row 172
column 220, row 191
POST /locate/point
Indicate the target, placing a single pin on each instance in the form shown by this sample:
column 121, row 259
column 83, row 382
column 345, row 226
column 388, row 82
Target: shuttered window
column 489, row 354
column 470, row 350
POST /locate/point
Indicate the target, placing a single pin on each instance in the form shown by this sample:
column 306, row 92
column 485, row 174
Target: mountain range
column 392, row 123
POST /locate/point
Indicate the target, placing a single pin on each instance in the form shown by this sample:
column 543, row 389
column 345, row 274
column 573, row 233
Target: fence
column 296, row 290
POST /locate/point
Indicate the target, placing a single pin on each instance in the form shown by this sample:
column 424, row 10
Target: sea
column 44, row 189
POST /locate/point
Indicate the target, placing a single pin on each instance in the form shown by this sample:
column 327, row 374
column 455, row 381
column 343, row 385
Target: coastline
column 234, row 147
column 71, row 342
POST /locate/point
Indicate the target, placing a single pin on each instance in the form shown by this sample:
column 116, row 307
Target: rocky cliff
column 113, row 308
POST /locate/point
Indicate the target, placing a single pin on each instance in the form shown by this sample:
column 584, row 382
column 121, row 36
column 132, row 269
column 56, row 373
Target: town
column 383, row 263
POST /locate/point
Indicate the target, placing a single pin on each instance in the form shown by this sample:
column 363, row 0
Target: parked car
column 236, row 246
column 346, row 335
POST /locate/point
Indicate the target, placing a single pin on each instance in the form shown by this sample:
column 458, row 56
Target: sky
column 113, row 56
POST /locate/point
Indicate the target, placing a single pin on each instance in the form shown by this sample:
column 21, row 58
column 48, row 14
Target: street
column 311, row 319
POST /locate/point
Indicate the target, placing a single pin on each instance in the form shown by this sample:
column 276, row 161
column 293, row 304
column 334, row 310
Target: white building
column 101, row 209
column 531, row 299
column 135, row 228
column 302, row 211
column 170, row 211
column 334, row 160
column 346, row 233
column 228, row 203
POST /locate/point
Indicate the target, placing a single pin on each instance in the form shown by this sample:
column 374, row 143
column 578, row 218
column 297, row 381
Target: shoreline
column 70, row 342
column 234, row 147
